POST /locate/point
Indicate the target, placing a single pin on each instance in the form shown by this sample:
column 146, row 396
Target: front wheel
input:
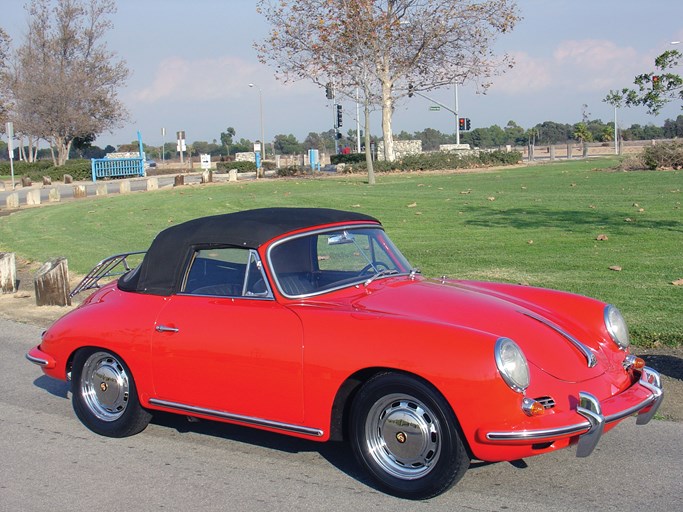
column 104, row 396
column 405, row 434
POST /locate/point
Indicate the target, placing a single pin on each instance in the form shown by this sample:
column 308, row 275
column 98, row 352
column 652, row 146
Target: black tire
column 104, row 396
column 404, row 433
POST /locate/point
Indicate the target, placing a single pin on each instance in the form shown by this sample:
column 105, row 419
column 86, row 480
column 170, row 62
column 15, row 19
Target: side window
column 225, row 272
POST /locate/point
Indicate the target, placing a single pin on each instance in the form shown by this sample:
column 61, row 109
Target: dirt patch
column 21, row 307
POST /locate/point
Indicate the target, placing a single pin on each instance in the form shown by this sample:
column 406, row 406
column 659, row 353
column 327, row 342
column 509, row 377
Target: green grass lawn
column 536, row 225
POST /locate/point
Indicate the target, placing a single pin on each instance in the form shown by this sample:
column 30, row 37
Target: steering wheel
column 377, row 266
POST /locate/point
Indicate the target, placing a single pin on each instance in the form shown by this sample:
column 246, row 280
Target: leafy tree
column 654, row 89
column 226, row 138
column 582, row 133
column 64, row 81
column 382, row 46
column 514, row 134
column 287, row 145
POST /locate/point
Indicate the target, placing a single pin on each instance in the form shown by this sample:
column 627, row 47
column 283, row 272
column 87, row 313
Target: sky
column 192, row 62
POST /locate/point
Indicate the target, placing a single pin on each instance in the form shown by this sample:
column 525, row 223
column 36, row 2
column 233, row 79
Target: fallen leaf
column 412, row 205
column 491, row 198
column 677, row 282
column 530, row 242
column 628, row 219
column 616, row 268
column 355, row 206
column 602, row 237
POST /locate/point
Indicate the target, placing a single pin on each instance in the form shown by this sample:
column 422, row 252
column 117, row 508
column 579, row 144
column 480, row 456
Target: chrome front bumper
column 590, row 430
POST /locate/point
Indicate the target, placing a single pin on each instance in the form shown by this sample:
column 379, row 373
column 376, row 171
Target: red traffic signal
column 464, row 123
column 461, row 123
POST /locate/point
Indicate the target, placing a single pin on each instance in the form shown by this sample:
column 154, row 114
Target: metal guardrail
column 117, row 167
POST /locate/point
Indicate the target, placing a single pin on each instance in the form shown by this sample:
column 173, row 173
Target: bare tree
column 389, row 43
column 4, row 89
column 64, row 81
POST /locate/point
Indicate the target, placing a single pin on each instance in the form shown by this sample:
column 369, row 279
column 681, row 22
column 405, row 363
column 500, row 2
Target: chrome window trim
column 253, row 256
column 250, row 420
column 318, row 232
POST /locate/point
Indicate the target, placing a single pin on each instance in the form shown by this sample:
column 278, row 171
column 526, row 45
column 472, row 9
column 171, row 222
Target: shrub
column 666, row 155
column 438, row 161
column 240, row 166
column 291, row 170
column 351, row 158
column 79, row 169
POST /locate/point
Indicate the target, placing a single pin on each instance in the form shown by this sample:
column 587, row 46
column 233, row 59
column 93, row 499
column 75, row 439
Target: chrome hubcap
column 104, row 386
column 403, row 436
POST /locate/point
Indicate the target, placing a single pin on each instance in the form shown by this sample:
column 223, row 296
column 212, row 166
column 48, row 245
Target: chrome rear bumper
column 591, row 409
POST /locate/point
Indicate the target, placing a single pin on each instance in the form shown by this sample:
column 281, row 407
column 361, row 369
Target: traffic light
column 339, row 135
column 411, row 90
column 329, row 93
column 461, row 123
column 464, row 123
column 339, row 116
column 467, row 123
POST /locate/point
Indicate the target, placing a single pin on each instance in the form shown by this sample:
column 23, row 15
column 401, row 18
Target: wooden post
column 47, row 180
column 80, row 191
column 8, row 272
column 179, row 180
column 68, row 179
column 152, row 184
column 25, row 181
column 207, row 176
column 52, row 283
column 124, row 187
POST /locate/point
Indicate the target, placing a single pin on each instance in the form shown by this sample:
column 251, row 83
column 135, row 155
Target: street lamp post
column 260, row 103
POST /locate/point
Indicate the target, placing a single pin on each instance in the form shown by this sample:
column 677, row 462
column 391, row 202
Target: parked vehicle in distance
column 310, row 322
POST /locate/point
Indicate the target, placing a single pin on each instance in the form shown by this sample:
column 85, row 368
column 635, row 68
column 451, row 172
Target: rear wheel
column 405, row 434
column 104, row 394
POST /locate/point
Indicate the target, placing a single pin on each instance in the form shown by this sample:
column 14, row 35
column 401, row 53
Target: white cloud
column 527, row 75
column 198, row 80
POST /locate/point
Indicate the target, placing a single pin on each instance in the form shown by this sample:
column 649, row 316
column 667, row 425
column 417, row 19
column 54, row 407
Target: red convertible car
column 310, row 322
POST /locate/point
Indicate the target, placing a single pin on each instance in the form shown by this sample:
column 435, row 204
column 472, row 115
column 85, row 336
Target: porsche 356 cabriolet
column 311, row 323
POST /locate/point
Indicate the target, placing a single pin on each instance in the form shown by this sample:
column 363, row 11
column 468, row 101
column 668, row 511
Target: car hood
column 545, row 343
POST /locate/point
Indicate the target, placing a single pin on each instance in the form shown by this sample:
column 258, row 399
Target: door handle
column 163, row 328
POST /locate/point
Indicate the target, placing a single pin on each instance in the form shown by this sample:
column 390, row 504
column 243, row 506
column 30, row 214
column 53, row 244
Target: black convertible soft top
column 160, row 270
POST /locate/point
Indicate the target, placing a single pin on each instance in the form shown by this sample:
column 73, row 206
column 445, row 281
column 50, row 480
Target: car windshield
column 324, row 261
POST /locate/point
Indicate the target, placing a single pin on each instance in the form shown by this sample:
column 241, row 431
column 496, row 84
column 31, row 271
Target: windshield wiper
column 381, row 273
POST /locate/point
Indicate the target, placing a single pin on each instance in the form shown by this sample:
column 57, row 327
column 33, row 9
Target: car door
column 225, row 345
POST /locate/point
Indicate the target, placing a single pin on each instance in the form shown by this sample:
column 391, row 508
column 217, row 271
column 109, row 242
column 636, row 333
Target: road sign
column 434, row 108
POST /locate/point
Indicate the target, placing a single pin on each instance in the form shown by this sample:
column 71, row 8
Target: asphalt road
column 49, row 461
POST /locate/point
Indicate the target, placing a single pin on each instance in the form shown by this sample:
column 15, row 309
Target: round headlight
column 512, row 364
column 616, row 326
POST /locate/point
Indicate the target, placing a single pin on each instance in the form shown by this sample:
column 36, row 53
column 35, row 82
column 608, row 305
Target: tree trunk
column 52, row 283
column 387, row 111
column 368, row 153
column 8, row 272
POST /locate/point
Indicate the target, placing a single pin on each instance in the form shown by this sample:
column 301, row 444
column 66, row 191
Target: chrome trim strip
column 37, row 360
column 590, row 357
column 538, row 434
column 590, row 408
column 287, row 427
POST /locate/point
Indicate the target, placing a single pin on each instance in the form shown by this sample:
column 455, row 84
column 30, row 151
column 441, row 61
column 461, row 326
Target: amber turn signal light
column 532, row 407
